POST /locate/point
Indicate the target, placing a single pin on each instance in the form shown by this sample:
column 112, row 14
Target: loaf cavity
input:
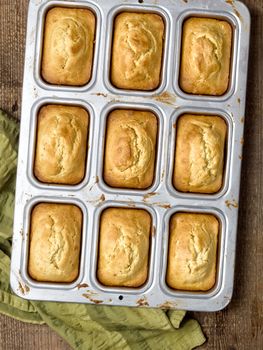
column 199, row 153
column 68, row 46
column 192, row 251
column 55, row 237
column 124, row 247
column 129, row 160
column 137, row 51
column 61, row 145
column 205, row 59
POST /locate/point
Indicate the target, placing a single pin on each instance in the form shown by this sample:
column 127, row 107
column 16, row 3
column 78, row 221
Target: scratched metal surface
column 168, row 102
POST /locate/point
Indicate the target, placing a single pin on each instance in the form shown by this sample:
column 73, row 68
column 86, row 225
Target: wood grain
column 239, row 326
column 15, row 335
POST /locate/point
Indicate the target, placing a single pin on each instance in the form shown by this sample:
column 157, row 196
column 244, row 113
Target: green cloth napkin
column 83, row 326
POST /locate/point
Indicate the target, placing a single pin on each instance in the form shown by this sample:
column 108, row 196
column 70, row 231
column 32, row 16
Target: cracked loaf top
column 55, row 237
column 68, row 46
column 124, row 247
column 129, row 160
column 199, row 153
column 61, row 145
column 192, row 251
column 137, row 51
column 206, row 49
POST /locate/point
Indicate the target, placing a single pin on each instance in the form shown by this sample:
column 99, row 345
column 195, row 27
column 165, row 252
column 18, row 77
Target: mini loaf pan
column 161, row 200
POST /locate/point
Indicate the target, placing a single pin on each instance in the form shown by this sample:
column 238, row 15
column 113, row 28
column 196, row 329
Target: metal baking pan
column 161, row 200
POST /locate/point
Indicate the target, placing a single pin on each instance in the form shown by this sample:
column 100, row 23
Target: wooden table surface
column 239, row 326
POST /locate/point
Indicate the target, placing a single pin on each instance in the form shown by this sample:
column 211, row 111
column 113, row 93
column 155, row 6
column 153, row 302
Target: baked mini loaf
column 192, row 251
column 68, row 46
column 199, row 153
column 205, row 60
column 55, row 237
column 61, row 145
column 124, row 247
column 129, row 159
column 137, row 51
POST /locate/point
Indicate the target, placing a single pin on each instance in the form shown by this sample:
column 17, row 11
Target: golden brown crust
column 124, row 247
column 206, row 50
column 137, row 51
column 192, row 251
column 61, row 144
column 55, row 237
column 68, row 46
column 199, row 154
column 129, row 160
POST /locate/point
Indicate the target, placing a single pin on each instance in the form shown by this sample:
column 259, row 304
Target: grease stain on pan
column 95, row 301
column 96, row 181
column 232, row 203
column 227, row 297
column 90, row 296
column 149, row 195
column 99, row 94
column 131, row 204
column 168, row 305
column 142, row 302
column 82, row 285
column 232, row 3
column 35, row 93
column 153, row 231
column 166, row 98
column 24, row 289
column 162, row 205
column 99, row 200
column 115, row 100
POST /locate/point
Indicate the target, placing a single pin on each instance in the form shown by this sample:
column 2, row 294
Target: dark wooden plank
column 15, row 335
column 239, row 326
column 12, row 40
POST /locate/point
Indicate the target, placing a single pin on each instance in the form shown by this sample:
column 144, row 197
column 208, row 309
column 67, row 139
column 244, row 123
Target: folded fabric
column 83, row 326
